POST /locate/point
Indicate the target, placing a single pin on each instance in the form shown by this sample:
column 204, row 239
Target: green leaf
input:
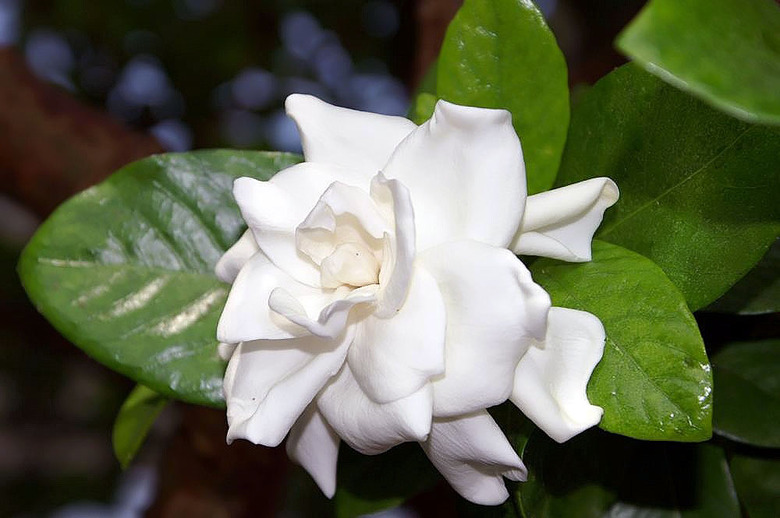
column 124, row 270
column 423, row 107
column 698, row 188
column 726, row 52
column 654, row 381
column 368, row 484
column 600, row 475
column 758, row 484
column 756, row 293
column 135, row 419
column 501, row 54
column 747, row 400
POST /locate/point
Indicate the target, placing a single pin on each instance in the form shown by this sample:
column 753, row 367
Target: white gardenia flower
column 377, row 297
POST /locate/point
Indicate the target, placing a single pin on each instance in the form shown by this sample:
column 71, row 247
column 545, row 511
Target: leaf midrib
column 703, row 167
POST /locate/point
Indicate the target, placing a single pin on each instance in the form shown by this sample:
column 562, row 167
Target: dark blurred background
column 89, row 85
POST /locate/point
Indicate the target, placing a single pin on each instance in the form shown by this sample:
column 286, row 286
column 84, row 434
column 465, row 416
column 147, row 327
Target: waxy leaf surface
column 654, row 381
column 124, row 270
column 698, row 189
column 501, row 54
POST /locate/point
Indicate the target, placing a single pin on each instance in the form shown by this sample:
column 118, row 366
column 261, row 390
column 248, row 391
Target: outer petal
column 247, row 315
column 235, row 258
column 392, row 358
column 370, row 427
column 561, row 223
column 343, row 137
column 464, row 168
column 393, row 200
column 269, row 383
column 494, row 312
column 274, row 209
column 314, row 445
column 473, row 454
column 550, row 383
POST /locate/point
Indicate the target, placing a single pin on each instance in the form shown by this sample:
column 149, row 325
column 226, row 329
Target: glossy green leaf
column 501, row 54
column 758, row 484
column 368, row 484
column 747, row 400
column 136, row 417
column 124, row 270
column 726, row 52
column 698, row 188
column 756, row 293
column 423, row 107
column 654, row 381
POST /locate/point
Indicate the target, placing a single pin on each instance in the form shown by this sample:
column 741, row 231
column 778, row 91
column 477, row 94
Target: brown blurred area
column 71, row 112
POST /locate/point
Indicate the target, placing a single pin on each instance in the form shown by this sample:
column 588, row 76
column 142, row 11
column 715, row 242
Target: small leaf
column 747, row 400
column 654, row 381
column 367, row 484
column 136, row 417
column 758, row 484
column 423, row 107
column 501, row 54
column 124, row 270
column 726, row 52
column 756, row 293
column 698, row 188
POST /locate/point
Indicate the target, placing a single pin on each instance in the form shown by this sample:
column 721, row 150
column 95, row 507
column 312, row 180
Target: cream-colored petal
column 392, row 358
column 561, row 223
column 236, row 257
column 473, row 454
column 494, row 313
column 551, row 381
column 370, row 427
column 348, row 138
column 465, row 172
column 314, row 445
column 269, row 383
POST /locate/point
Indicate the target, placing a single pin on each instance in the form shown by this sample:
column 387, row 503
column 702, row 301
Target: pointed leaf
column 501, row 54
column 654, row 381
column 125, row 270
column 136, row 417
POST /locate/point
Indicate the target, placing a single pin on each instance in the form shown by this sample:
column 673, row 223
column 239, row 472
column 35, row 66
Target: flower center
column 351, row 264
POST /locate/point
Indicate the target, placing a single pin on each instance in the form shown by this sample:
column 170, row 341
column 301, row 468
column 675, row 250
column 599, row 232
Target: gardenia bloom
column 377, row 297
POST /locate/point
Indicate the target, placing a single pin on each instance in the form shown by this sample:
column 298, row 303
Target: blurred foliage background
column 87, row 85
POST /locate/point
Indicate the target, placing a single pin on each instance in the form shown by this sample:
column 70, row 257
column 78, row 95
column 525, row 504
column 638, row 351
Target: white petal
column 348, row 138
column 269, row 383
column 235, row 258
column 561, row 223
column 394, row 357
column 393, row 200
column 551, row 382
column 494, row 312
column 247, row 314
column 332, row 320
column 314, row 445
column 370, row 427
column 465, row 171
column 473, row 454
column 274, row 209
